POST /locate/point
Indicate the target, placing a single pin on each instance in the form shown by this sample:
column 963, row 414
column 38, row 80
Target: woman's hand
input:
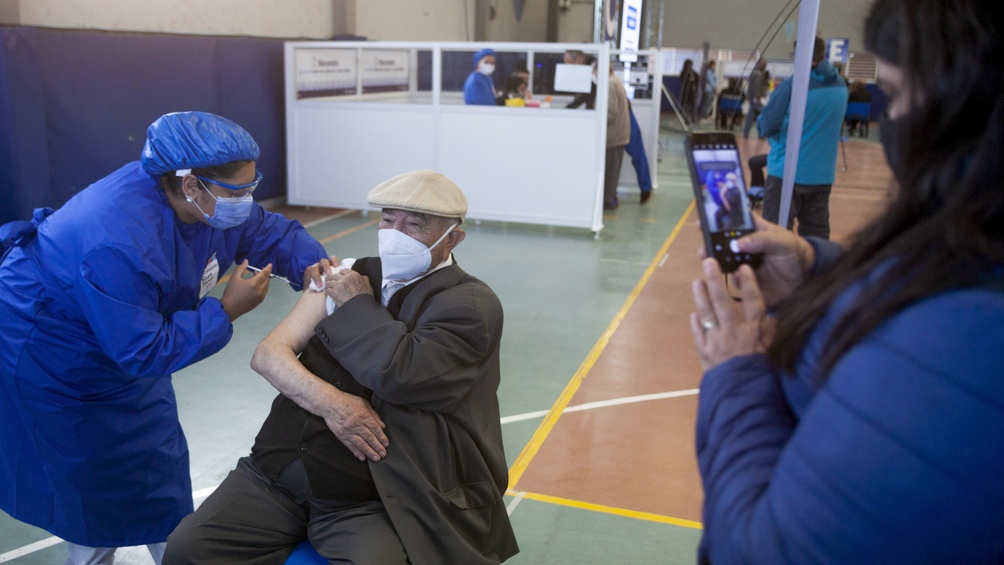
column 722, row 327
column 314, row 272
column 787, row 259
column 243, row 295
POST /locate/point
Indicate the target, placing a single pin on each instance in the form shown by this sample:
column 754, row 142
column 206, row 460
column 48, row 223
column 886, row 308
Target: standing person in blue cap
column 479, row 88
column 101, row 301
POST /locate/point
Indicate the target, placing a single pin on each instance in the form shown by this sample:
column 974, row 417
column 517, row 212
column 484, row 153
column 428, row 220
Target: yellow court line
column 533, row 446
column 329, row 239
column 610, row 510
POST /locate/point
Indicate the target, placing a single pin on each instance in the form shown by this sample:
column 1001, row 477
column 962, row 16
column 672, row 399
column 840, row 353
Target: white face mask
column 486, row 68
column 403, row 257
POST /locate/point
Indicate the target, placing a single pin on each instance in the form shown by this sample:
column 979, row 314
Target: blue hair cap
column 482, row 54
column 195, row 140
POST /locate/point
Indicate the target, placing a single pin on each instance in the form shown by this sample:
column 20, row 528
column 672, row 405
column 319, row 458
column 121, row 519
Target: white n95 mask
column 403, row 257
column 486, row 69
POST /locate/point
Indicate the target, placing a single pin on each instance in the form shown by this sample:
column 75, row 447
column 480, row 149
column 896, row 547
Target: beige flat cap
column 426, row 192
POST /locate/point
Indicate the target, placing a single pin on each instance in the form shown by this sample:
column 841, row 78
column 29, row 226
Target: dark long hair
column 944, row 228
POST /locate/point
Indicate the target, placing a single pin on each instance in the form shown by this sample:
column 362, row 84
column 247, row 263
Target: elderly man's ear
column 454, row 238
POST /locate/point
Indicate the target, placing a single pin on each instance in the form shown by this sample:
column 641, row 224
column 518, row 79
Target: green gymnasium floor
column 595, row 328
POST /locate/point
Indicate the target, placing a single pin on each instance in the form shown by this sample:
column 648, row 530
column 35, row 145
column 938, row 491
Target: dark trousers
column 810, row 203
column 639, row 160
column 250, row 519
column 757, row 164
column 612, row 175
column 755, row 109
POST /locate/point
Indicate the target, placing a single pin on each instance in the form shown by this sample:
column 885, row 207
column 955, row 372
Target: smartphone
column 720, row 193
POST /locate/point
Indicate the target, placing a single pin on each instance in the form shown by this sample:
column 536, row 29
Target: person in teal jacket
column 101, row 301
column 479, row 88
column 817, row 155
column 863, row 420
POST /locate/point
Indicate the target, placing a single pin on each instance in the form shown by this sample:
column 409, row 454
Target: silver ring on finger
column 709, row 323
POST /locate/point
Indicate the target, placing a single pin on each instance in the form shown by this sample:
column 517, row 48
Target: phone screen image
column 720, row 193
column 726, row 207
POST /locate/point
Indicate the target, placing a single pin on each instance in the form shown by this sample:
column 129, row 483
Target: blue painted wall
column 75, row 105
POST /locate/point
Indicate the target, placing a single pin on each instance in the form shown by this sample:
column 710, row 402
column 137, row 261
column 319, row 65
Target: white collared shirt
column 389, row 287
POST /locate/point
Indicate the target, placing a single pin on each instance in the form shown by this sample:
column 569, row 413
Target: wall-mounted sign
column 630, row 30
column 837, row 50
column 325, row 72
column 384, row 71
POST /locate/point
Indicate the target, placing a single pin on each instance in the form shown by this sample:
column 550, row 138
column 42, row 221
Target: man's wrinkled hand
column 357, row 425
column 345, row 285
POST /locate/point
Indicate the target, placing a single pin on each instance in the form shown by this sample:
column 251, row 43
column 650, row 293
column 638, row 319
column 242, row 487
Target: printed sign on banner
column 630, row 30
column 384, row 71
column 837, row 50
column 325, row 72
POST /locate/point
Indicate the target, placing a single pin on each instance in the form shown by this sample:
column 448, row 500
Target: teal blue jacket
column 824, row 113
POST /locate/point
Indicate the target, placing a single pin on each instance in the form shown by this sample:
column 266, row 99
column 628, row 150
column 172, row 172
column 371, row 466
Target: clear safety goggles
column 248, row 188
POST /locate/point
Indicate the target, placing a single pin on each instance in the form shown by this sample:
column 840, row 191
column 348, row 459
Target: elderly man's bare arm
column 351, row 418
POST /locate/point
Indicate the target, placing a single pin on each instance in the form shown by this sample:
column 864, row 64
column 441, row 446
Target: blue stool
column 304, row 554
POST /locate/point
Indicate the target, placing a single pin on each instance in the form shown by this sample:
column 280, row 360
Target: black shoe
column 645, row 196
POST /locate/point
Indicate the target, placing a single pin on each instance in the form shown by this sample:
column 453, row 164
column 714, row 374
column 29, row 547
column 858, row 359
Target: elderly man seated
column 384, row 445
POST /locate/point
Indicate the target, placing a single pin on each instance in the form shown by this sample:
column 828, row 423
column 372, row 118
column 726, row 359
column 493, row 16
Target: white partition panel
column 341, row 151
column 550, row 158
column 532, row 165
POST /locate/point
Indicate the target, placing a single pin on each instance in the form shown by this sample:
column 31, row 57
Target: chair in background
column 858, row 115
column 730, row 111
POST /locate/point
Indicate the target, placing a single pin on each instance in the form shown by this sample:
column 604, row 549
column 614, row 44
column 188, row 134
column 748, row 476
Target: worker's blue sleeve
column 271, row 238
column 120, row 293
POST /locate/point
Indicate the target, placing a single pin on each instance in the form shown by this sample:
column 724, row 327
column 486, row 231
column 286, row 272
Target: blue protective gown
column 98, row 310
column 479, row 90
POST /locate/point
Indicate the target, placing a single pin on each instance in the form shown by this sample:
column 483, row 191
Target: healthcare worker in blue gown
column 101, row 301
column 479, row 89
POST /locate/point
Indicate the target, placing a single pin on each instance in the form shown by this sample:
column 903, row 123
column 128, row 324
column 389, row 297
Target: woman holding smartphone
column 863, row 419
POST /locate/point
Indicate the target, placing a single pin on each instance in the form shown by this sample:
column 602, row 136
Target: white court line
column 664, row 259
column 203, row 493
column 515, row 502
column 603, row 404
column 30, row 548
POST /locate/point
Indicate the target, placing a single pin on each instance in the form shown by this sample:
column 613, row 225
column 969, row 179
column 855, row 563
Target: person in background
column 817, row 156
column 384, row 446
column 756, row 93
column 524, row 73
column 587, row 99
column 479, row 88
column 636, row 145
column 757, row 164
column 710, row 86
column 639, row 159
column 574, row 57
column 863, row 420
column 688, row 88
column 101, row 301
column 515, row 87
column 618, row 137
column 858, row 93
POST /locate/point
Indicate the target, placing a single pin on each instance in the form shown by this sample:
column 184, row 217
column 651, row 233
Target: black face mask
column 891, row 137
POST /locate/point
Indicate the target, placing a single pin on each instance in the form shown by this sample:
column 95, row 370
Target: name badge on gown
column 209, row 276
